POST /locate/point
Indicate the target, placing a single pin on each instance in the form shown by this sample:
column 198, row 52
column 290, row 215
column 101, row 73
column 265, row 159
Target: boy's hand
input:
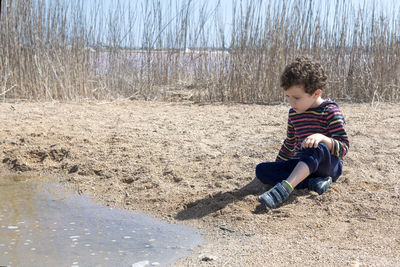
column 314, row 139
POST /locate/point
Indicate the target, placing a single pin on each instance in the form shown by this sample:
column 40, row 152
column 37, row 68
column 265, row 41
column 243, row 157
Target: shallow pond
column 43, row 225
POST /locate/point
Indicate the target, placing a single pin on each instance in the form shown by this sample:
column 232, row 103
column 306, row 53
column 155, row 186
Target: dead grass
column 57, row 50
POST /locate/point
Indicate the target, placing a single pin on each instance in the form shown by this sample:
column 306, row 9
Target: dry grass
column 55, row 50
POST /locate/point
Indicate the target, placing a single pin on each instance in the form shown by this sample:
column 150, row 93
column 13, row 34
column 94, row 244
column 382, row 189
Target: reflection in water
column 40, row 225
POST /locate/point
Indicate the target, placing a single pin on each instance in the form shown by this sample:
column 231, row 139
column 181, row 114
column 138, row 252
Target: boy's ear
column 318, row 92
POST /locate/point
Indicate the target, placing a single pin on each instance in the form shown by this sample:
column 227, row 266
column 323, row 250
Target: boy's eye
column 292, row 97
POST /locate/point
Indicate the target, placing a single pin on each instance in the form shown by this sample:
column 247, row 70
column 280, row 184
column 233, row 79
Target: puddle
column 42, row 225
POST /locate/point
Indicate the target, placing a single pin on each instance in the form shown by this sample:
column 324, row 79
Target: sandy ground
column 188, row 163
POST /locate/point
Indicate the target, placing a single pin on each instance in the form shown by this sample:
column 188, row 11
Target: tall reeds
column 152, row 49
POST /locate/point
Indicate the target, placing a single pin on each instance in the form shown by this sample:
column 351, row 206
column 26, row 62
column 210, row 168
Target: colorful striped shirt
column 325, row 119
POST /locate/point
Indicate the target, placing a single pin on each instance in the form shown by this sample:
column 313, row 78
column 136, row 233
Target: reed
column 185, row 50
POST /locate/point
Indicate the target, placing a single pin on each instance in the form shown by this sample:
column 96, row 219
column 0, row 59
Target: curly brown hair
column 304, row 71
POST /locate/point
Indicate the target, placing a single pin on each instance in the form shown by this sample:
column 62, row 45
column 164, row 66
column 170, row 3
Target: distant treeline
column 70, row 50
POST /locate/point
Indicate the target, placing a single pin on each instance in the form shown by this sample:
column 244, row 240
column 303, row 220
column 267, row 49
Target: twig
column 363, row 216
column 9, row 89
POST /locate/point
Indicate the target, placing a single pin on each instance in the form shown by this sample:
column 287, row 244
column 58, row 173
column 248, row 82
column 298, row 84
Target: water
column 41, row 225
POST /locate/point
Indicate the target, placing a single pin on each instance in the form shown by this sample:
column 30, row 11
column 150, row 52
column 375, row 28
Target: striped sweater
column 325, row 119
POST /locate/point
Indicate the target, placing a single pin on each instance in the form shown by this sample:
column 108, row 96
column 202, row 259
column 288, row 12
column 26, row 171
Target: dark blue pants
column 319, row 160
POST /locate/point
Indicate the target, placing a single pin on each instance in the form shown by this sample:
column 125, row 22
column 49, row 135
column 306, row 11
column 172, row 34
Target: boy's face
column 300, row 101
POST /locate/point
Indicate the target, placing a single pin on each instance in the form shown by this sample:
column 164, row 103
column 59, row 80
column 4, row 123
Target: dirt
column 190, row 163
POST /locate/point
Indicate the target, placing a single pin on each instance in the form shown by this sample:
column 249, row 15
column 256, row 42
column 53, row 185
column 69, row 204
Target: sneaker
column 274, row 197
column 319, row 185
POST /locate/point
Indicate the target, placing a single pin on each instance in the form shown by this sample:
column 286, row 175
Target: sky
column 136, row 15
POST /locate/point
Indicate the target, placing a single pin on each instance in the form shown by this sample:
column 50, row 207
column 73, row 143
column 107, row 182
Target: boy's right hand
column 313, row 140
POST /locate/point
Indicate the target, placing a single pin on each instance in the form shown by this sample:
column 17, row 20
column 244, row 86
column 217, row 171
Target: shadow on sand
column 218, row 201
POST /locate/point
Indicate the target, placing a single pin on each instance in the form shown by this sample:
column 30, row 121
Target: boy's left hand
column 314, row 139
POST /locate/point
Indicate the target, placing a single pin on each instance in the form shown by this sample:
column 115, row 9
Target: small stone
column 208, row 258
column 73, row 169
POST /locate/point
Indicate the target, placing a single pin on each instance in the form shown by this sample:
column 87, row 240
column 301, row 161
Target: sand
column 190, row 163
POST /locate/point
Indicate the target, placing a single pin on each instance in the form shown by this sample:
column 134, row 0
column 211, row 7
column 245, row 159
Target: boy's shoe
column 319, row 185
column 274, row 197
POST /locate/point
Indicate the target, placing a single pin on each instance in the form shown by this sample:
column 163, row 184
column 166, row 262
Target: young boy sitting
column 311, row 155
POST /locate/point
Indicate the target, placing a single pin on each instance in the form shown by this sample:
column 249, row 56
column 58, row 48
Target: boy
column 311, row 155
